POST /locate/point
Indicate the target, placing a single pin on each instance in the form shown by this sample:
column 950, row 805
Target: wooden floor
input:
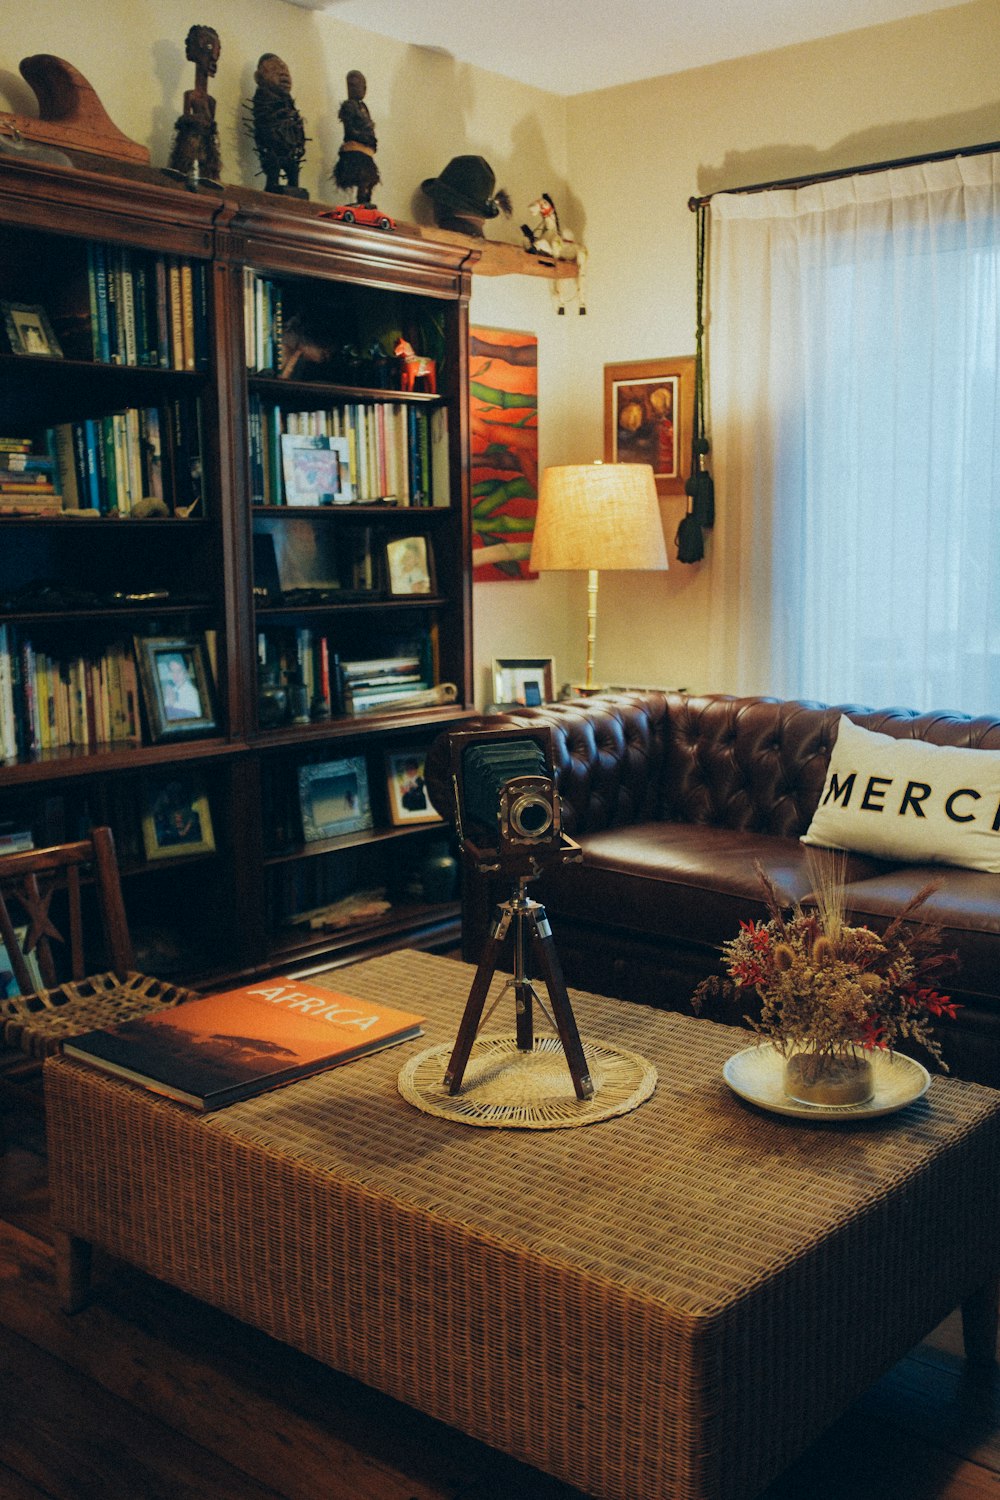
column 149, row 1394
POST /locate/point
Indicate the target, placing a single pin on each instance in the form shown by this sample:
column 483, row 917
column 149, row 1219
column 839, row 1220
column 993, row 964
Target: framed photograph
column 525, row 680
column 410, row 565
column 178, row 693
column 29, row 330
column 334, row 798
column 176, row 818
column 648, row 415
column 8, row 983
column 408, row 799
column 316, row 470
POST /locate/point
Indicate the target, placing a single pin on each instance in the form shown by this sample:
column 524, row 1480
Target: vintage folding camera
column 508, row 810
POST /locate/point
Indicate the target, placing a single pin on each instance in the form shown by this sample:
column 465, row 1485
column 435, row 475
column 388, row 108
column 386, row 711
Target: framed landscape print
column 648, row 416
column 333, row 797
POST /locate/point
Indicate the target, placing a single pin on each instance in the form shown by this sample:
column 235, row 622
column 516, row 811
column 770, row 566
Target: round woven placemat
column 527, row 1090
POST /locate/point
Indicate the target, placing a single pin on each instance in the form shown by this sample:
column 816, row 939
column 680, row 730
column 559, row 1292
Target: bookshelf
column 233, row 558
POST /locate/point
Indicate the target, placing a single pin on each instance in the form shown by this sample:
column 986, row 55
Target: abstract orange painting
column 503, row 409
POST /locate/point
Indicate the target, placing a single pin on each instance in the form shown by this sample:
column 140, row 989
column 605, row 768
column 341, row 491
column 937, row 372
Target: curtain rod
column 878, row 166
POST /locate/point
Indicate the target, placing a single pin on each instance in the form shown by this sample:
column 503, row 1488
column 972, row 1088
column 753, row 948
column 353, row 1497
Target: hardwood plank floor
column 148, row 1394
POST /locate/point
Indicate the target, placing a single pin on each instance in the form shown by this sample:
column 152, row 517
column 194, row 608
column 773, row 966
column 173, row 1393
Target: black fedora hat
column 466, row 186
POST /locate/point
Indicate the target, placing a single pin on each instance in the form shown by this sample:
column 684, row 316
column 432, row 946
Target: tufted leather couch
column 673, row 798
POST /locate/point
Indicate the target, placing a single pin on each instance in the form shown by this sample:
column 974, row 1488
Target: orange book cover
column 220, row 1048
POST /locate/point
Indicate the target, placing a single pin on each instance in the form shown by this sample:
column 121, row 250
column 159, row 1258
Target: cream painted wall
column 427, row 109
column 621, row 165
column 637, row 153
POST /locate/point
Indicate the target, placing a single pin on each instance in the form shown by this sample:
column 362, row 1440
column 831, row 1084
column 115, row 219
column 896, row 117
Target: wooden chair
column 78, row 985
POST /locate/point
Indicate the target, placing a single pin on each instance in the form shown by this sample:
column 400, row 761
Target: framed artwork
column 648, row 414
column 526, row 681
column 333, row 797
column 503, row 432
column 29, row 330
column 8, row 983
column 408, row 799
column 178, row 693
column 316, row 470
column 410, row 565
column 176, row 817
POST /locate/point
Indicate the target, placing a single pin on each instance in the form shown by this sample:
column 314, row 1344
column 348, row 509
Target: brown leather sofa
column 673, row 798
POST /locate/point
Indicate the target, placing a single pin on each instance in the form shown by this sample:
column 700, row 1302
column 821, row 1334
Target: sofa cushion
column 965, row 906
column 909, row 800
column 689, row 880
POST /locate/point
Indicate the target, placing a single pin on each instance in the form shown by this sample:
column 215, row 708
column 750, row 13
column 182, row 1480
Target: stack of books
column 27, row 480
column 385, row 683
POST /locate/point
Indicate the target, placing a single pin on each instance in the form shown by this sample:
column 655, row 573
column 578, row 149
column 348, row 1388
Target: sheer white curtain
column 853, row 340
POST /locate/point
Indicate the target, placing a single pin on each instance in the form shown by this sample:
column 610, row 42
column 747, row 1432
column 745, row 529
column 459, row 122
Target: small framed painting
column 176, row 817
column 648, row 416
column 29, row 330
column 333, row 797
column 407, row 789
column 178, row 693
column 523, row 681
column 316, row 470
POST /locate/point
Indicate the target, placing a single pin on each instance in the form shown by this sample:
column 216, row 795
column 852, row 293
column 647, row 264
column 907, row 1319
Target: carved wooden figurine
column 276, row 126
column 196, row 143
column 355, row 166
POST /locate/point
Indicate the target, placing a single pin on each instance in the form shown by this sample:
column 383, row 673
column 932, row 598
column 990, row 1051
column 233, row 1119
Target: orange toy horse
column 414, row 367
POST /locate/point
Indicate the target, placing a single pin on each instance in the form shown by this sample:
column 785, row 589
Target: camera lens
column 531, row 815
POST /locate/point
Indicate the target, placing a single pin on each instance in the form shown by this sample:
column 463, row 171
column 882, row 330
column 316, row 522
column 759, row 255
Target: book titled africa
column 217, row 1049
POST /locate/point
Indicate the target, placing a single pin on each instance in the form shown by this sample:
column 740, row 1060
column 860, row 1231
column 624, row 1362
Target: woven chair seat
column 37, row 1025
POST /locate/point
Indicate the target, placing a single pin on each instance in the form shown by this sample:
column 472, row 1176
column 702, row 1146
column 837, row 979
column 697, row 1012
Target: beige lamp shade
column 598, row 516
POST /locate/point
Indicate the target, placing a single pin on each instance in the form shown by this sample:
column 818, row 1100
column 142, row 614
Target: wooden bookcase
column 90, row 605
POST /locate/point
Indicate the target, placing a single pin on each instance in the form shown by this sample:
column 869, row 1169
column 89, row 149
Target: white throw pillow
column 909, row 800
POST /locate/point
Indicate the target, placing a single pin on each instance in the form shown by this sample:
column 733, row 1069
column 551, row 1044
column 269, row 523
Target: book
column 217, row 1049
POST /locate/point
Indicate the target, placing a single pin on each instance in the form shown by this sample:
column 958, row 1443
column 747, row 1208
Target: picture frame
column 334, row 798
column 316, row 470
column 409, row 801
column 8, row 983
column 178, row 692
column 523, row 681
column 29, row 331
column 176, row 816
column 409, row 565
column 648, row 417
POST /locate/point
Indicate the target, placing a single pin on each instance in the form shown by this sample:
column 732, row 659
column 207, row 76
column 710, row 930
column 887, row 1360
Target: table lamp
column 594, row 517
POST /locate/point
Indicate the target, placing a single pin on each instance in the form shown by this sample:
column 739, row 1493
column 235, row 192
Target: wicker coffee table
column 673, row 1303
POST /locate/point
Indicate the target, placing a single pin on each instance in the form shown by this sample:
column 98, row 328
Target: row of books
column 142, row 309
column 395, row 453
column 263, row 322
column 107, row 465
column 48, row 703
column 335, row 686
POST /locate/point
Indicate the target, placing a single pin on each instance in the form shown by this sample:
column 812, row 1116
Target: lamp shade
column 598, row 516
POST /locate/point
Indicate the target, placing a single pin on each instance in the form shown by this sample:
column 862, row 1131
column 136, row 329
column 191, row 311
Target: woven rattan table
column 669, row 1304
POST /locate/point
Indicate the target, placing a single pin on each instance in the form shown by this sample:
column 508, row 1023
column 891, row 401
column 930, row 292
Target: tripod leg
column 523, row 993
column 562, row 1011
column 474, row 1005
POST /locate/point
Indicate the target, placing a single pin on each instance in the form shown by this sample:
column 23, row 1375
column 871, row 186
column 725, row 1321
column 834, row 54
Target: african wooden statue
column 276, row 125
column 355, row 166
column 196, row 142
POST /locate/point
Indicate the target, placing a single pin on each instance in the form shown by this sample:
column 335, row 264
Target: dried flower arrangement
column 832, row 989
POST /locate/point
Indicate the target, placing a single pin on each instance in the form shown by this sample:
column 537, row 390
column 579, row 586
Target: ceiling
column 572, row 46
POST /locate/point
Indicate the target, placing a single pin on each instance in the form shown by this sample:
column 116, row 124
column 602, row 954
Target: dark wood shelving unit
column 221, row 904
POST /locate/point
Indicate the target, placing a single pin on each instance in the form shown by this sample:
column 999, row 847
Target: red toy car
column 359, row 213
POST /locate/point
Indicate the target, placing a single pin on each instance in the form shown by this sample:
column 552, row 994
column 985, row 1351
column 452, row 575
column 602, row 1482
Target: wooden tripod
column 528, row 917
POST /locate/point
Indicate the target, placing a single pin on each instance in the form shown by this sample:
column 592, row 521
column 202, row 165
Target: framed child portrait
column 176, row 817
column 178, row 693
column 410, row 565
column 409, row 801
